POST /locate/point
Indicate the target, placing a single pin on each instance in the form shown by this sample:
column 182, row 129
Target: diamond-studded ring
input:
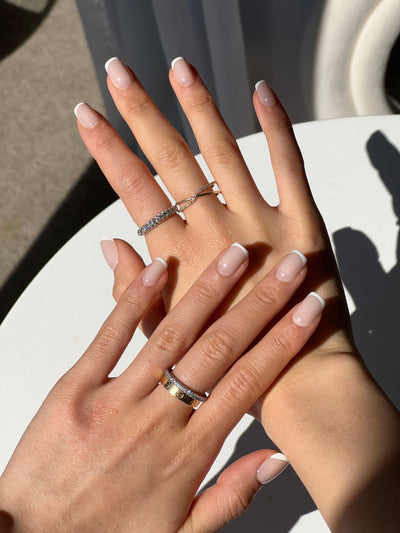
column 180, row 391
column 176, row 208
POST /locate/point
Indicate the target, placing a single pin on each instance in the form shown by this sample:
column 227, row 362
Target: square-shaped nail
column 87, row 116
column 232, row 259
column 182, row 71
column 291, row 266
column 119, row 74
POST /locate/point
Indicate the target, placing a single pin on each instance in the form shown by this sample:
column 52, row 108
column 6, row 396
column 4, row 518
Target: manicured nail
column 182, row 71
column 119, row 74
column 291, row 266
column 86, row 115
column 110, row 252
column 271, row 468
column 309, row 310
column 265, row 94
column 153, row 272
column 232, row 259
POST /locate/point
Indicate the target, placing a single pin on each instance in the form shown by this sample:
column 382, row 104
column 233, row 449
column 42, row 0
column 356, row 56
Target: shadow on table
column 89, row 196
column 376, row 328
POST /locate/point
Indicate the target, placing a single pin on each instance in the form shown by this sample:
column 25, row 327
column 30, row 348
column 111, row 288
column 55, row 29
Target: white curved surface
column 370, row 58
column 59, row 313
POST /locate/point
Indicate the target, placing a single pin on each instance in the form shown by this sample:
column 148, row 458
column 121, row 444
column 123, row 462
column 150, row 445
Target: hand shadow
column 269, row 509
column 376, row 293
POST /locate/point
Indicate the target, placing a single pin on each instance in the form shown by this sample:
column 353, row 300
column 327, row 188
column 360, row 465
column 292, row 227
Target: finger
column 126, row 173
column 234, row 491
column 231, row 335
column 184, row 323
column 103, row 354
column 255, row 372
column 286, row 158
column 216, row 142
column 129, row 266
column 161, row 143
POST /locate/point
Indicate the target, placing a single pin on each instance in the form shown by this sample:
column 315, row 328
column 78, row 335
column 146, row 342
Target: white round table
column 353, row 165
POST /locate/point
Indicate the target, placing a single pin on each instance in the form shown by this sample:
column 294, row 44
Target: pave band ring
column 176, row 208
column 180, row 391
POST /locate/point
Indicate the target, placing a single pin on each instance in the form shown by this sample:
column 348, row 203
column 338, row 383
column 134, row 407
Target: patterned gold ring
column 180, row 391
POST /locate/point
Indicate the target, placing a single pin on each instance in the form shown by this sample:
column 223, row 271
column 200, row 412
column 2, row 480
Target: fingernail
column 119, row 74
column 265, row 94
column 291, row 266
column 86, row 115
column 153, row 272
column 182, row 71
column 309, row 310
column 232, row 259
column 271, row 468
column 110, row 252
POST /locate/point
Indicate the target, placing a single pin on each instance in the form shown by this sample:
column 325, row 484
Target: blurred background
column 325, row 59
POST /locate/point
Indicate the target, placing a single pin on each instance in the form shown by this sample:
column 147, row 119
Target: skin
column 104, row 454
column 325, row 400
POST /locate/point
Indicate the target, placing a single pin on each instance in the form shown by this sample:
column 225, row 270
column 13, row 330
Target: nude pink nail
column 182, row 71
column 265, row 93
column 271, row 468
column 309, row 310
column 291, row 266
column 232, row 259
column 119, row 74
column 110, row 252
column 86, row 115
column 153, row 272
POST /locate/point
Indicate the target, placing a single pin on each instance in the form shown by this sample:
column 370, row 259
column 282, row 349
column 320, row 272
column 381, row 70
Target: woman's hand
column 326, row 401
column 123, row 454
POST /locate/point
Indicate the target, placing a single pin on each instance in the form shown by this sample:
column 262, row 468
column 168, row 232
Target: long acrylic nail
column 265, row 93
column 232, row 259
column 271, row 468
column 182, row 71
column 110, row 252
column 291, row 266
column 86, row 115
column 153, row 272
column 309, row 310
column 119, row 74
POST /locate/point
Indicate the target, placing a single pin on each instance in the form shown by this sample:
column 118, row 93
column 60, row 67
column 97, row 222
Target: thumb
column 127, row 264
column 234, row 491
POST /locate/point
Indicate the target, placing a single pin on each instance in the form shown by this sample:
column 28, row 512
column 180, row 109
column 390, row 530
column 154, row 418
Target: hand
column 316, row 401
column 122, row 454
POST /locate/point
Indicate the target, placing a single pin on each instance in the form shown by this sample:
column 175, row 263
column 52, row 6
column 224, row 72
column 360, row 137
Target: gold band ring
column 180, row 391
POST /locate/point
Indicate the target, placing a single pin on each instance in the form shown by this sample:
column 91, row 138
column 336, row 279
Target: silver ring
column 176, row 208
column 180, row 391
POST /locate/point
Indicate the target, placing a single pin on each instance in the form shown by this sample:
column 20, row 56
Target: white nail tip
column 280, row 457
column 161, row 260
column 302, row 256
column 257, row 85
column 175, row 60
column 108, row 62
column 77, row 107
column 106, row 239
column 319, row 298
column 246, row 253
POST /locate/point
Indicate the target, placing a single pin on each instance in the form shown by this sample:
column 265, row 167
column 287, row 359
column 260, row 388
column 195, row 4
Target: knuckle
column 170, row 339
column 224, row 152
column 201, row 103
column 133, row 184
column 238, row 502
column 171, row 155
column 109, row 335
column 206, row 292
column 217, row 347
column 244, row 383
column 104, row 141
column 138, row 105
column 265, row 297
column 279, row 347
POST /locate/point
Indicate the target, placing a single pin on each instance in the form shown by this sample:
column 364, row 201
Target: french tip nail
column 175, row 60
column 257, row 85
column 107, row 63
column 110, row 252
column 246, row 253
column 272, row 467
column 301, row 255
column 77, row 107
column 319, row 298
column 162, row 261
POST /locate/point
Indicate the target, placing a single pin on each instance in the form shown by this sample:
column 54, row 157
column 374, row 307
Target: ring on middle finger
column 180, row 391
column 178, row 207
